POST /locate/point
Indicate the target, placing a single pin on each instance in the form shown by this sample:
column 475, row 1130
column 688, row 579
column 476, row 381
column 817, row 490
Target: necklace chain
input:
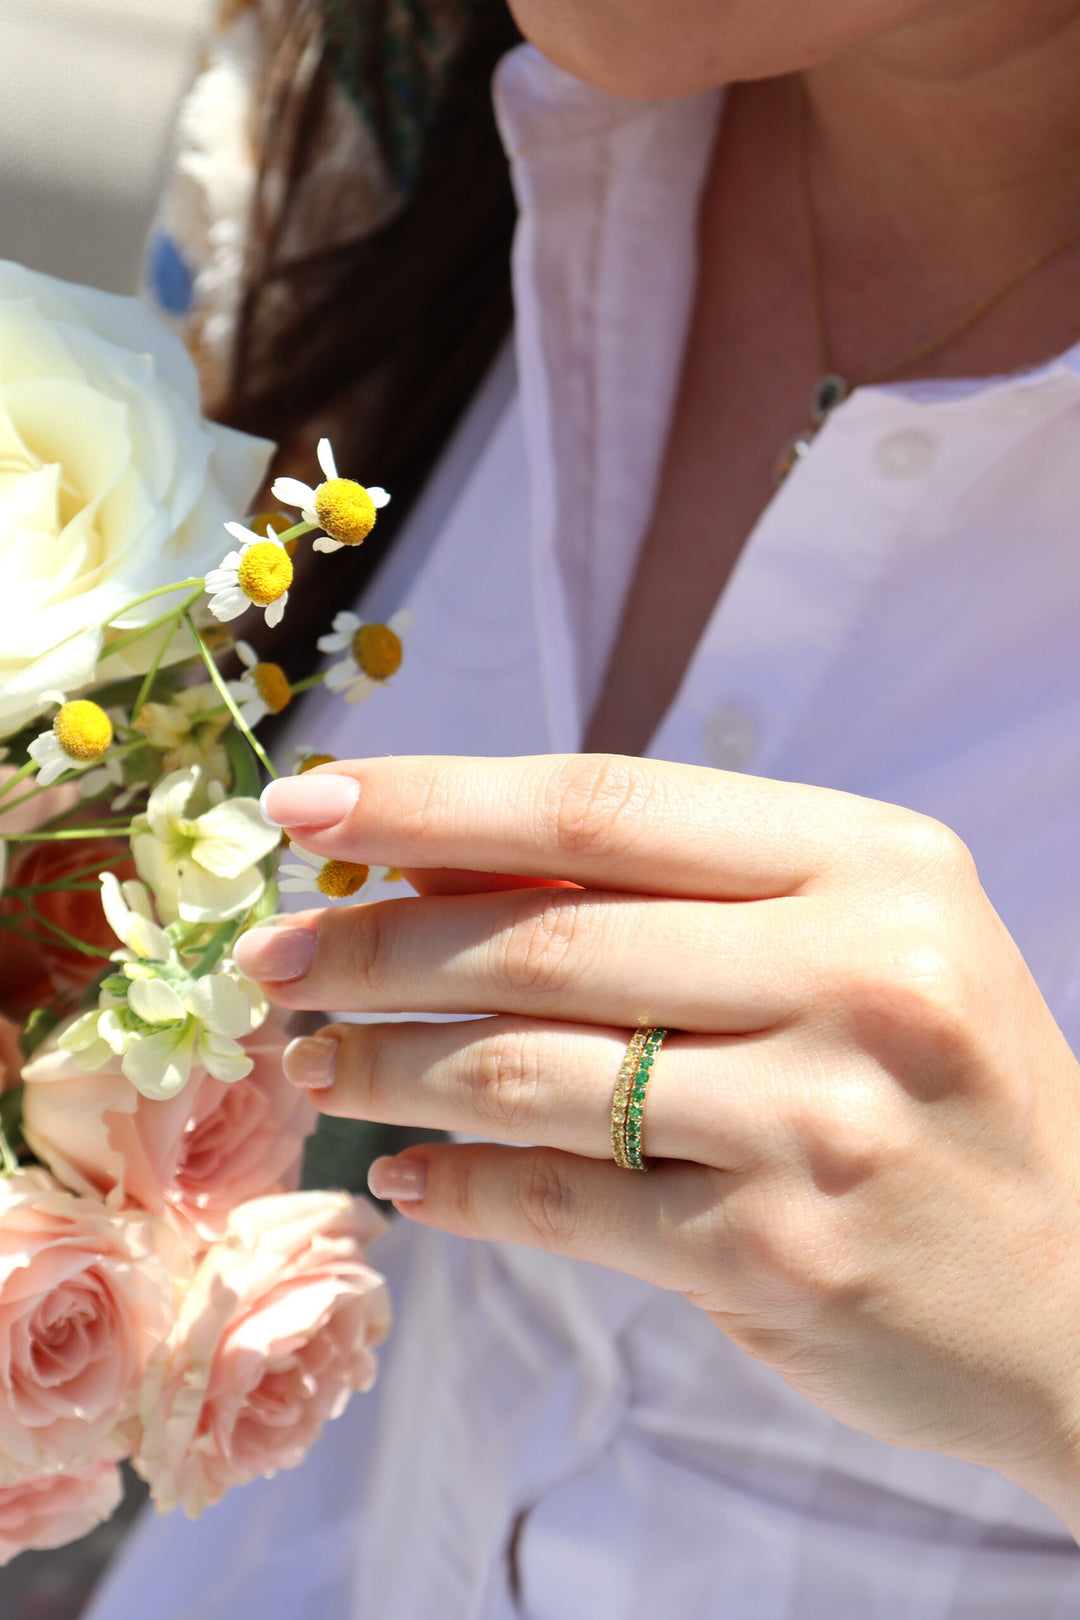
column 832, row 388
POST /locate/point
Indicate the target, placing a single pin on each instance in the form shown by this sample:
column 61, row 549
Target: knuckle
column 796, row 1251
column 362, row 936
column 540, row 952
column 506, row 1081
column 547, row 1204
column 924, row 849
column 594, row 804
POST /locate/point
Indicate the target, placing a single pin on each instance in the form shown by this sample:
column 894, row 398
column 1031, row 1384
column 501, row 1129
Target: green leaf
column 245, row 771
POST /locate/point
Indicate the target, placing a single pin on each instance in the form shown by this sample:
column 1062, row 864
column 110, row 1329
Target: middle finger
column 573, row 954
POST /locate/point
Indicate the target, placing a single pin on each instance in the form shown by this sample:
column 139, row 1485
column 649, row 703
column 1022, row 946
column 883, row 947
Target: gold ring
column 628, row 1103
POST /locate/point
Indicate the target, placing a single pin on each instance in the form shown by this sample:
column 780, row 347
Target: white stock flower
column 165, row 1019
column 340, row 506
column 260, row 572
column 373, row 652
column 188, row 729
column 111, row 483
column 334, row 880
column 202, row 868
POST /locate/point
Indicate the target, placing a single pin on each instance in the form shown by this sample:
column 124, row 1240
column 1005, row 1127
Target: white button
column 905, row 454
column 729, row 739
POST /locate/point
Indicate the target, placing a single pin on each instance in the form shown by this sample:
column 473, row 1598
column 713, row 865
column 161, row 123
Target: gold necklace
column 832, row 389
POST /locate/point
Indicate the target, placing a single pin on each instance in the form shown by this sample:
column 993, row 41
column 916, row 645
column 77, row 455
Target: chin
column 657, row 50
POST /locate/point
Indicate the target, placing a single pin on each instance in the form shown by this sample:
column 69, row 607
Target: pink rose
column 274, row 1334
column 85, row 1296
column 53, row 1509
column 193, row 1158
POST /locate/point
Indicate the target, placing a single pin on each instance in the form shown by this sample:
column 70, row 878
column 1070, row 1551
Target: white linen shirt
column 904, row 622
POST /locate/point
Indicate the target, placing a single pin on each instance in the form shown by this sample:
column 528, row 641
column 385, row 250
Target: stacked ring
column 628, row 1103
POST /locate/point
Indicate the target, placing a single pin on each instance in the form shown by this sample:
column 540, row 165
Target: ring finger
column 550, row 1084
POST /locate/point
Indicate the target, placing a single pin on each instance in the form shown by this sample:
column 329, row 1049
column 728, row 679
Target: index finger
column 599, row 820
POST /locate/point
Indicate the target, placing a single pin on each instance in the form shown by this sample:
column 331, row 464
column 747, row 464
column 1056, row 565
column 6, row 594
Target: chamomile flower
column 263, row 690
column 260, row 572
column 306, row 759
column 373, row 653
column 334, row 880
column 344, row 509
column 81, row 734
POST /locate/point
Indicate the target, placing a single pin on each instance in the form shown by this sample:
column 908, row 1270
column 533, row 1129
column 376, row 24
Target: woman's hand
column 864, row 1138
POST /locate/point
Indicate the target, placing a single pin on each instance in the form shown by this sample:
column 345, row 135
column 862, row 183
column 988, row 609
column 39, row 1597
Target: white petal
column 361, row 689
column 247, row 654
column 253, row 711
column 229, row 604
column 298, row 885
column 155, row 1002
column 332, row 644
column 402, row 621
column 324, row 543
column 379, row 497
column 339, row 675
column 291, row 492
column 169, row 800
column 51, row 760
column 159, row 1065
column 346, row 623
column 246, row 537
column 232, row 837
column 218, row 1002
column 227, row 568
column 223, row 1059
column 202, row 897
column 326, row 458
column 275, row 611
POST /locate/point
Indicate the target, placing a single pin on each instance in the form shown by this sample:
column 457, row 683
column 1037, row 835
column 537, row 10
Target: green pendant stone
column 830, row 392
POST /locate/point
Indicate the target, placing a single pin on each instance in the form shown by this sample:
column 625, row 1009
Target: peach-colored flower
column 274, row 1334
column 53, row 1509
column 85, row 1296
column 192, row 1158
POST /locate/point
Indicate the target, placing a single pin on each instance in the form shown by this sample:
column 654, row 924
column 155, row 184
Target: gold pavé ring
column 628, row 1103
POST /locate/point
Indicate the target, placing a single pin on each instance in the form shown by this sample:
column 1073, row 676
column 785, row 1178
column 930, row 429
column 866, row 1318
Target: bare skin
column 930, row 186
column 865, row 1123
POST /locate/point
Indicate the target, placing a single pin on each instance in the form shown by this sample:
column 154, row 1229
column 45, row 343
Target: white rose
column 111, row 482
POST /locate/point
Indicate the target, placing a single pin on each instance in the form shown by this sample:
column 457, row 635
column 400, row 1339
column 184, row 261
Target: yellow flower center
column 377, row 651
column 309, row 762
column 265, row 572
column 339, row 879
column 272, row 685
column 83, row 730
column 345, row 510
column 271, row 523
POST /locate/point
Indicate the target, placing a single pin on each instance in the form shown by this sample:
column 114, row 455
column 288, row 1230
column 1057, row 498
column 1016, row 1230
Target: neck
column 960, row 127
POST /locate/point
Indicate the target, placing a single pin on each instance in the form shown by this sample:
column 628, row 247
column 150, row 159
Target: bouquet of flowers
column 166, row 1295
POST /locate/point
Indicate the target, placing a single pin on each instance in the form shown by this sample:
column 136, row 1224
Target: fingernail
column 310, row 800
column 309, row 1061
column 401, row 1181
column 275, row 955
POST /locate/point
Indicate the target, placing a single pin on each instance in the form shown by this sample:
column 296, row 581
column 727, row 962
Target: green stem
column 307, row 683
column 162, row 590
column 61, row 934
column 303, row 527
column 20, row 776
column 182, row 612
column 227, row 698
column 120, row 830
